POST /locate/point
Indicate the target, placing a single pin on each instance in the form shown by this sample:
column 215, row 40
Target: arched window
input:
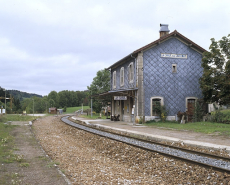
column 114, row 79
column 131, row 72
column 122, row 79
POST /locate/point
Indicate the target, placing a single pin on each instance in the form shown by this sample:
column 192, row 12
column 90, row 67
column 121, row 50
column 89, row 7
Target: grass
column 17, row 117
column 53, row 163
column 226, row 113
column 6, row 140
column 24, row 165
column 202, row 127
column 70, row 110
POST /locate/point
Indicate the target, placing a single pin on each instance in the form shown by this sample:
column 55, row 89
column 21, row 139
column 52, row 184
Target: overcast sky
column 59, row 45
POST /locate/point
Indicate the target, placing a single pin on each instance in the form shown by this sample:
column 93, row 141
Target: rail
column 207, row 160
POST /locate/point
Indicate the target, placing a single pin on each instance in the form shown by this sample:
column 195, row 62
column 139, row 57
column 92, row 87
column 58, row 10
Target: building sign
column 169, row 55
column 120, row 97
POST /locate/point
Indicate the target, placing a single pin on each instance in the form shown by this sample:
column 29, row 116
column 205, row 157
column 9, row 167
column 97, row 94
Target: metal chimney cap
column 164, row 27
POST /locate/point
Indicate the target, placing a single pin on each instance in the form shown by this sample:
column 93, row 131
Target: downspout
column 111, row 105
column 135, row 99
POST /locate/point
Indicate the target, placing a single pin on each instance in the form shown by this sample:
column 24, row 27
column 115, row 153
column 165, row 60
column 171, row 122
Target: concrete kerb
column 150, row 137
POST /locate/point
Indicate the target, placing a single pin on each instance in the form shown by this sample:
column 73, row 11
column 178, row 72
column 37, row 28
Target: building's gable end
column 159, row 79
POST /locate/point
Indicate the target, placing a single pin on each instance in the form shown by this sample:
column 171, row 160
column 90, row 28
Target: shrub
column 161, row 111
column 198, row 111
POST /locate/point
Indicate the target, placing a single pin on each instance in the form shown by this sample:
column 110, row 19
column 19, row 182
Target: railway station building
column 165, row 71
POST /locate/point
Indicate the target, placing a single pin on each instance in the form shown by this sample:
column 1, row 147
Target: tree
column 100, row 83
column 215, row 81
column 54, row 96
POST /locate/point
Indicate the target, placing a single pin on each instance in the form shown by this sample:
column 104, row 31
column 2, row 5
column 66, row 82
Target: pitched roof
column 174, row 33
column 158, row 41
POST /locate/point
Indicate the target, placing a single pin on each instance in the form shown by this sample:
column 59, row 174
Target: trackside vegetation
column 7, row 148
column 206, row 127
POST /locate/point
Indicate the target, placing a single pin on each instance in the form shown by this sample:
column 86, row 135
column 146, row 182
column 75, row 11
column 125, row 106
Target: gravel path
column 31, row 166
column 90, row 159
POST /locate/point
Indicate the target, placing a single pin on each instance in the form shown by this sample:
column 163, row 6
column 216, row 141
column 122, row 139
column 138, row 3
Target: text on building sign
column 120, row 97
column 170, row 55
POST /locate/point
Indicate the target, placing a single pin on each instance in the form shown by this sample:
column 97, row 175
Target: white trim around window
column 131, row 72
column 114, row 79
column 157, row 98
column 122, row 79
column 174, row 68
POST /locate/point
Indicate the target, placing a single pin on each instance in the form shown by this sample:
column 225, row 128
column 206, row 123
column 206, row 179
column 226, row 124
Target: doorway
column 190, row 108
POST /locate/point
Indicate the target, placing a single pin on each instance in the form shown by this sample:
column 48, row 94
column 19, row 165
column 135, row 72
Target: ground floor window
column 156, row 103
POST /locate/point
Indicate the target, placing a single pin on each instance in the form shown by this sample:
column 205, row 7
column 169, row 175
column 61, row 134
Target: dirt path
column 33, row 166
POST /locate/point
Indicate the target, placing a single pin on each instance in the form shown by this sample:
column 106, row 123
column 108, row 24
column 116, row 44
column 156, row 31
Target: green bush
column 163, row 113
column 198, row 111
column 219, row 115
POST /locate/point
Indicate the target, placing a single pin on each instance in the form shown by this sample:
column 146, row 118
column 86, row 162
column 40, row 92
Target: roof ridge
column 166, row 36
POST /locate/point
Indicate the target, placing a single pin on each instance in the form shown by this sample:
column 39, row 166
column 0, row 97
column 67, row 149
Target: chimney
column 164, row 30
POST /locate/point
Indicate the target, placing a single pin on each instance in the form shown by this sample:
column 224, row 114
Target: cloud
column 60, row 45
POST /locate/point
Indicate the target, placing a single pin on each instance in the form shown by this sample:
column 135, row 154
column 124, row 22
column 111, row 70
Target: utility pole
column 33, row 107
column 5, row 101
column 91, row 105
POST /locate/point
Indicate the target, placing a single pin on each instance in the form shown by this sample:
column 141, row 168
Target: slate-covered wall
column 174, row 87
column 127, row 85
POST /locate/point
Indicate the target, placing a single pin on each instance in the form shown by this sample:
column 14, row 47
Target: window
column 131, row 72
column 156, row 103
column 122, row 76
column 174, row 68
column 114, row 79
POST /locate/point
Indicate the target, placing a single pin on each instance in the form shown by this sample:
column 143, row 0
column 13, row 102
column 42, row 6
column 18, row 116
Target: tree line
column 38, row 104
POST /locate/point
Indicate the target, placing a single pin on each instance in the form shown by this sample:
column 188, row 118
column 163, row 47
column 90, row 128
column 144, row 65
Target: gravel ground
column 86, row 158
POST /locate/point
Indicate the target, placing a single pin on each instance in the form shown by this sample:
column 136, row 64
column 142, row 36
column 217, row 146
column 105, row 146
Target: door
column 191, row 106
column 122, row 110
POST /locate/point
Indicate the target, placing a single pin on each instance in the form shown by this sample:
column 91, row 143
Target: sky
column 55, row 45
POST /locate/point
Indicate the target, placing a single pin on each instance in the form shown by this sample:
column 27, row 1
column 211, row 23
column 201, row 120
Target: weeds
column 24, row 165
column 53, row 163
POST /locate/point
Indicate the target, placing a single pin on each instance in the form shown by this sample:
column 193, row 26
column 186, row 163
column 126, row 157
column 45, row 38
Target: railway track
column 218, row 163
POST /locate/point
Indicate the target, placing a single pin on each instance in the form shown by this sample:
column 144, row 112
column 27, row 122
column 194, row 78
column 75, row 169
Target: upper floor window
column 131, row 72
column 174, row 68
column 114, row 79
column 122, row 79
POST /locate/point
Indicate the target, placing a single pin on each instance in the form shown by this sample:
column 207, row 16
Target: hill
column 17, row 94
column 21, row 95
